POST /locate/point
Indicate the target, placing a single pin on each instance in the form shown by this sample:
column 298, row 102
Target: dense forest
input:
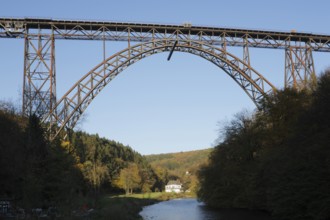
column 275, row 159
column 36, row 173
column 182, row 166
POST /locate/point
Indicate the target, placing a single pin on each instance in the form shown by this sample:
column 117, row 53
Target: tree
column 148, row 179
column 129, row 178
column 12, row 157
column 95, row 173
column 37, row 156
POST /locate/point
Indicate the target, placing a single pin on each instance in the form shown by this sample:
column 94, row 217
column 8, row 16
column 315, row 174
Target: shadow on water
column 234, row 214
column 182, row 209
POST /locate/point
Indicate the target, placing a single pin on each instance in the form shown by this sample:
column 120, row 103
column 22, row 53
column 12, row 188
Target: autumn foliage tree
column 129, row 178
column 95, row 173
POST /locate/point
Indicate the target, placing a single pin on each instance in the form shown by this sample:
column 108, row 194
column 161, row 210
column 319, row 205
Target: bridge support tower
column 39, row 86
column 299, row 67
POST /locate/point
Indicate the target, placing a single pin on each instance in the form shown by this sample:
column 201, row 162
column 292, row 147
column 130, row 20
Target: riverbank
column 125, row 207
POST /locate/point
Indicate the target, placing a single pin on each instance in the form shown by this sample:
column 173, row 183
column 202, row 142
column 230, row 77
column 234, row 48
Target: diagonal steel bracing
column 39, row 87
column 299, row 67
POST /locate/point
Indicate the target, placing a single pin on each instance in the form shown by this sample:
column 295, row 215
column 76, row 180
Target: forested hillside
column 182, row 166
column 36, row 173
column 276, row 159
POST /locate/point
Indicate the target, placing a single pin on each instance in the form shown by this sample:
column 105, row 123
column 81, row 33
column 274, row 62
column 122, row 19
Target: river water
column 190, row 209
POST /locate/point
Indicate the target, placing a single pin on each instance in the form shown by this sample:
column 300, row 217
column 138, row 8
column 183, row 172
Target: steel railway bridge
column 143, row 40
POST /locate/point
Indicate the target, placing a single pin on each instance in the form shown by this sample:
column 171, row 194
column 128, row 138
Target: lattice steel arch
column 72, row 105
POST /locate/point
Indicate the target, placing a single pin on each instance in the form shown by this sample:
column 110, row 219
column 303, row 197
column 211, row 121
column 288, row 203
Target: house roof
column 174, row 182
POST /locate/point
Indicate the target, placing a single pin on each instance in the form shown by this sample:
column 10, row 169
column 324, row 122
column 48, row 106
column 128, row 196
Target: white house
column 173, row 186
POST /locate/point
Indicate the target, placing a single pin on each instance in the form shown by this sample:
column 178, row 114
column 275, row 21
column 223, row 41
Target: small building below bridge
column 173, row 186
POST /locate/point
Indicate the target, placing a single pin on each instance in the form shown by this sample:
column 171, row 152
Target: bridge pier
column 299, row 67
column 39, row 86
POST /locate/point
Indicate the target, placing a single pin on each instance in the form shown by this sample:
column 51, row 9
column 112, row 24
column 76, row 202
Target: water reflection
column 182, row 209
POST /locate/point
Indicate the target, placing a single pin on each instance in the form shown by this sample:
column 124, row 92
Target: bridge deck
column 90, row 30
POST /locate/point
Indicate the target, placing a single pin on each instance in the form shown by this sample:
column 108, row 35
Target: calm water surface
column 184, row 209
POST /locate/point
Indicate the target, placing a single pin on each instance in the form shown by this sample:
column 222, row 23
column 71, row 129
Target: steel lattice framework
column 210, row 43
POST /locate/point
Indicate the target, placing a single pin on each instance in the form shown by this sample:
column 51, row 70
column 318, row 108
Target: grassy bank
column 127, row 207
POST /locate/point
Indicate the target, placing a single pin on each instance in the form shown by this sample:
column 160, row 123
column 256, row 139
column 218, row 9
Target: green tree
column 148, row 179
column 12, row 156
column 129, row 178
column 37, row 156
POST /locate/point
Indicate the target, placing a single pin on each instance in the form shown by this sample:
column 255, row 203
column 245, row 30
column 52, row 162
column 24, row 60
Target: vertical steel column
column 129, row 42
column 246, row 57
column 104, row 52
column 39, row 88
column 299, row 67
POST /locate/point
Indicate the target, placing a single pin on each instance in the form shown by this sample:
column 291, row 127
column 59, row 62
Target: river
column 183, row 209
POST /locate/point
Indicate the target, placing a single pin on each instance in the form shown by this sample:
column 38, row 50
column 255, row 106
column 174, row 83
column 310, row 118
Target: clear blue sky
column 158, row 106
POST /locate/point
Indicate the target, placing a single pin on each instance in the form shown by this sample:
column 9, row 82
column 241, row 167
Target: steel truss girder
column 71, row 106
column 120, row 31
column 299, row 67
column 39, row 86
